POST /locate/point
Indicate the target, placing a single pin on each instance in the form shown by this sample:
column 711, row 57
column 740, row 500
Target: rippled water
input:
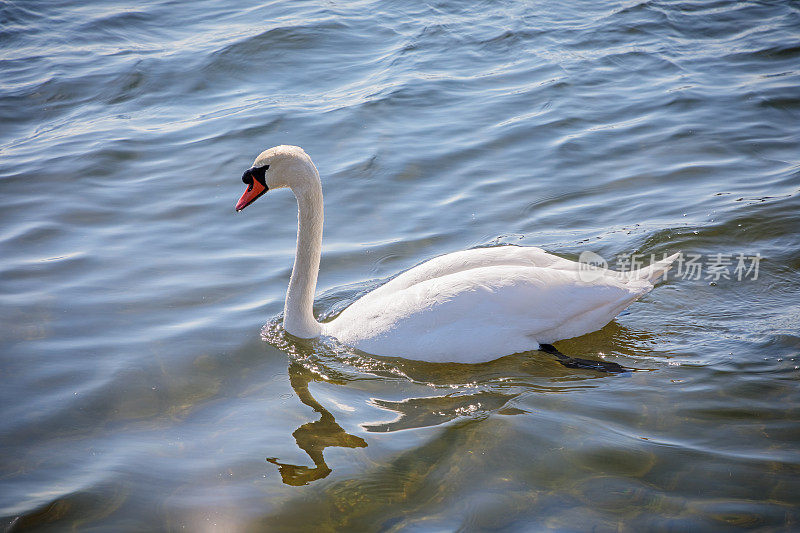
column 139, row 390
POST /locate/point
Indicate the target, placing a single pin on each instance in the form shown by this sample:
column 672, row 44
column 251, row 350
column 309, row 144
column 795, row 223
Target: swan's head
column 278, row 167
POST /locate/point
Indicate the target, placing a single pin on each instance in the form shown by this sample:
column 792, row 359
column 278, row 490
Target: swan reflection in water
column 313, row 437
column 491, row 387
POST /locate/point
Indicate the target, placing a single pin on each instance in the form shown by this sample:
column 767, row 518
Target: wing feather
column 479, row 313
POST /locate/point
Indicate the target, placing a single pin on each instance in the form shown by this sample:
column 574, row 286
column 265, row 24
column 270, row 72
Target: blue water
column 146, row 381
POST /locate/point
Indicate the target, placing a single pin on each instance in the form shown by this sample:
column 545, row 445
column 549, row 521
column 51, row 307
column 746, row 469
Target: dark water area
column 146, row 380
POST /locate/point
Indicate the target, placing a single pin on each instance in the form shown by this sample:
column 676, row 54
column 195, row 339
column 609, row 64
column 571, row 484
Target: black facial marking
column 257, row 173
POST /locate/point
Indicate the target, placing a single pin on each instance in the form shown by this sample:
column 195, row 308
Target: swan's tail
column 655, row 270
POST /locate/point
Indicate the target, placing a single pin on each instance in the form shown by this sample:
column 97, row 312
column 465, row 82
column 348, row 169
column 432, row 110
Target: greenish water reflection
column 313, row 437
column 471, row 391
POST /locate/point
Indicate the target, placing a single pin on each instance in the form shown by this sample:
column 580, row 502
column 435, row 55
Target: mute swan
column 469, row 306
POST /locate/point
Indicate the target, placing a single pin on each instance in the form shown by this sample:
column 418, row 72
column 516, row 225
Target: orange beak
column 254, row 190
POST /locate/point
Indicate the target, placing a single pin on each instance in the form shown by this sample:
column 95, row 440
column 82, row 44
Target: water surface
column 147, row 384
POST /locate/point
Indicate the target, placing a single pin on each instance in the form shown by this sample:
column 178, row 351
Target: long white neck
column 298, row 313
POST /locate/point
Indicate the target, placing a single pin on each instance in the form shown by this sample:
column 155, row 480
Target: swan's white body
column 469, row 306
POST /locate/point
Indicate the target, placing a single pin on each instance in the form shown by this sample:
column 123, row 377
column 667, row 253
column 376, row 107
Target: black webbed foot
column 576, row 362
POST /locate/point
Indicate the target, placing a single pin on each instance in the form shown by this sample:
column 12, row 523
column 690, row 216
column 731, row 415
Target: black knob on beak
column 247, row 177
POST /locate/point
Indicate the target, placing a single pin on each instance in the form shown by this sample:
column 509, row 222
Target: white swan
column 469, row 306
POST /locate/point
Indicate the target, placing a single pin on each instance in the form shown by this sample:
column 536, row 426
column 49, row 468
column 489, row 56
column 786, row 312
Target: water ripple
column 138, row 392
